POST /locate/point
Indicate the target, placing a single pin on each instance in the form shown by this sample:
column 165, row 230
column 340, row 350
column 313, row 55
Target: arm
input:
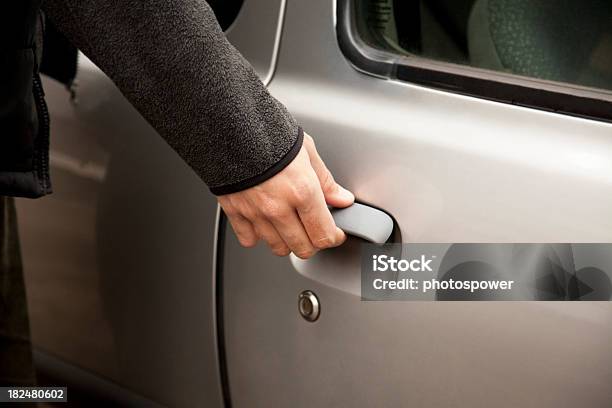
column 174, row 64
column 172, row 61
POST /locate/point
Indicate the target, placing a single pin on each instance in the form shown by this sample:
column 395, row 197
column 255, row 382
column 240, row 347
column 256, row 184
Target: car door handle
column 365, row 222
column 340, row 267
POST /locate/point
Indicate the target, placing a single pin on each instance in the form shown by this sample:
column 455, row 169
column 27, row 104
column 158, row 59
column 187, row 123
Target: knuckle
column 229, row 210
column 303, row 191
column 324, row 242
column 228, row 207
column 248, row 212
column 272, row 209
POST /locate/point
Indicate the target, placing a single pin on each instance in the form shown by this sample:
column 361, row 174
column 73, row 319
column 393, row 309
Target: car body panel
column 256, row 34
column 118, row 261
column 448, row 168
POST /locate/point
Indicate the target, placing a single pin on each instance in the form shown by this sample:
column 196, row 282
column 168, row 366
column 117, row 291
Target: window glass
column 558, row 40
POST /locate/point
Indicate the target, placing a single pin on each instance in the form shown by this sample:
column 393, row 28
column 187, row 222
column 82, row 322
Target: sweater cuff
column 269, row 173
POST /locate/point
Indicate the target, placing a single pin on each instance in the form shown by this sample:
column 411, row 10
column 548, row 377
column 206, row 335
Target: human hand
column 289, row 210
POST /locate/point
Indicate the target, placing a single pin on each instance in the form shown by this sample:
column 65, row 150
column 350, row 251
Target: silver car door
column 448, row 168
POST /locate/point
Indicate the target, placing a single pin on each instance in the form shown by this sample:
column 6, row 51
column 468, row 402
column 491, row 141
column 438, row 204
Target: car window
column 567, row 41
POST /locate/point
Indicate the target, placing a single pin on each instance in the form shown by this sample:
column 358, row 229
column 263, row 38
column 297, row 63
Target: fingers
column 302, row 227
column 249, row 233
column 321, row 229
column 316, row 218
column 251, row 226
column 242, row 226
column 335, row 195
column 266, row 231
column 293, row 233
column 244, row 231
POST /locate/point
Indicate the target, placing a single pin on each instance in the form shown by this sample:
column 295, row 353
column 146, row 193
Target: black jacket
column 24, row 130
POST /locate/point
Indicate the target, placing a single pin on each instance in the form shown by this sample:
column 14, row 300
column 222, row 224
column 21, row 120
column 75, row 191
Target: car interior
column 564, row 41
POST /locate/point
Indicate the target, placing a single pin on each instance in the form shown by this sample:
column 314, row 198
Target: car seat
column 563, row 40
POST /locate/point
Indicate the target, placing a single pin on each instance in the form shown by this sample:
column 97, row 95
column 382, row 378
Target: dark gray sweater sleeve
column 173, row 62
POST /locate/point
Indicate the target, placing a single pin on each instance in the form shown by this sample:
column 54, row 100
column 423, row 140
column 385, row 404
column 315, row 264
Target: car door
column 118, row 261
column 449, row 167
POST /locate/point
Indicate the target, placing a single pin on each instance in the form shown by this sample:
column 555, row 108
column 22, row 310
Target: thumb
column 335, row 195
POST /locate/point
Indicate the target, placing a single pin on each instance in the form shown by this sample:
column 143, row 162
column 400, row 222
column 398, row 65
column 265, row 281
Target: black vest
column 24, row 120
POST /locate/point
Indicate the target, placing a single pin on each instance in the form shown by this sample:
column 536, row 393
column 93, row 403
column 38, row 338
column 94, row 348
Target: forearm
column 172, row 61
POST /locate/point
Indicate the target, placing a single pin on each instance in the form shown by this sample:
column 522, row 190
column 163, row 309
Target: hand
column 289, row 210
